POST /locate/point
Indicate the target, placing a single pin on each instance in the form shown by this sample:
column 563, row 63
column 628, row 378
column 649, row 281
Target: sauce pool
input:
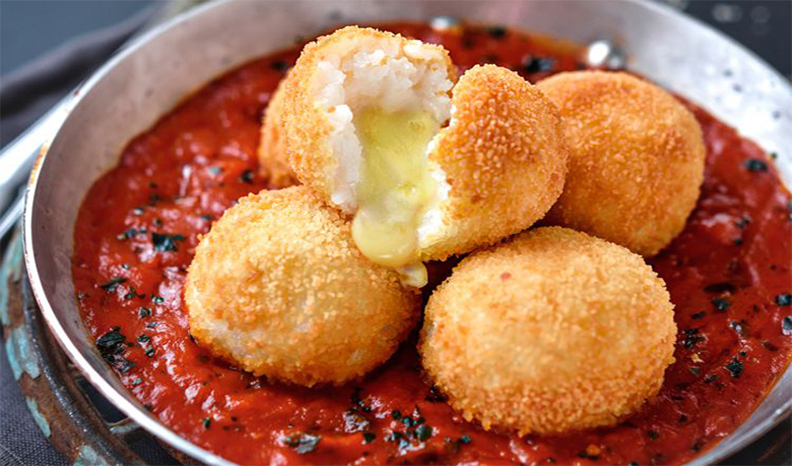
column 728, row 274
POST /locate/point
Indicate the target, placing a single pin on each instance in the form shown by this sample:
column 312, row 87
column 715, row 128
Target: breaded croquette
column 373, row 126
column 278, row 288
column 272, row 151
column 636, row 159
column 552, row 331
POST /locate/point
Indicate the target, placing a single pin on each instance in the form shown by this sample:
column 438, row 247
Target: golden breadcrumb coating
column 549, row 332
column 636, row 159
column 308, row 129
column 278, row 288
column 272, row 153
column 505, row 157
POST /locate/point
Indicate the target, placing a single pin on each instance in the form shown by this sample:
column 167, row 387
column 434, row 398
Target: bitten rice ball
column 374, row 126
column 552, row 331
column 272, row 151
column 636, row 159
column 279, row 288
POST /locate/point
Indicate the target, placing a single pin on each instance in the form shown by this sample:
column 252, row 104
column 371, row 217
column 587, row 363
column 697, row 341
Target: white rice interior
column 379, row 72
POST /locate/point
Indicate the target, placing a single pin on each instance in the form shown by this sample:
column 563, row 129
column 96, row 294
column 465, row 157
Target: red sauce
column 724, row 273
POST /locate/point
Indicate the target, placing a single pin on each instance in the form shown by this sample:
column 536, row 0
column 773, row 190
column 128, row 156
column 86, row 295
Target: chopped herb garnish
column 408, row 421
column 710, row 378
column 532, row 64
column 110, row 341
column 692, row 338
column 303, row 443
column 720, row 287
column 143, row 338
column 111, row 285
column 735, row 367
column 721, row 304
column 149, row 351
column 699, row 315
column 131, row 233
column 280, row 65
column 207, row 422
column 124, row 364
column 137, row 382
column 786, row 325
column 165, row 242
column 144, row 312
column 737, row 327
column 369, row 437
column 784, row 299
column 215, row 170
column 435, row 396
column 465, row 439
column 247, row 176
column 423, row 432
column 206, row 217
column 653, row 434
column 157, row 299
column 694, row 370
column 158, row 222
column 755, row 165
column 396, row 414
column 497, row 32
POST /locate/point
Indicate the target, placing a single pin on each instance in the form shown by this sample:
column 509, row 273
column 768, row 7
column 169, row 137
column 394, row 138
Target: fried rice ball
column 552, row 331
column 636, row 159
column 373, row 125
column 272, row 151
column 279, row 288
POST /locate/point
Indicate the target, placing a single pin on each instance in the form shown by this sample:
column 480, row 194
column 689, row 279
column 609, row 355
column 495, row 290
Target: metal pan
column 147, row 79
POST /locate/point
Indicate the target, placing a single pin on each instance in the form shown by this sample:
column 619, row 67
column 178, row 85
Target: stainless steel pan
column 129, row 93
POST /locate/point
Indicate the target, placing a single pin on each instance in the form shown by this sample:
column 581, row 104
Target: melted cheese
column 395, row 189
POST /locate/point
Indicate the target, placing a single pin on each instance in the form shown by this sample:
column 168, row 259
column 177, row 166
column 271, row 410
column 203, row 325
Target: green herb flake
column 465, row 439
column 137, row 382
column 303, row 443
column 144, row 312
column 699, row 315
column 149, row 352
column 157, row 299
column 396, row 414
column 110, row 341
column 423, row 432
column 784, row 299
column 111, row 285
column 694, row 370
column 166, row 242
column 735, row 367
column 721, row 304
column 247, row 176
column 755, row 165
column 786, row 325
column 653, row 434
column 369, row 437
column 207, row 422
column 143, row 338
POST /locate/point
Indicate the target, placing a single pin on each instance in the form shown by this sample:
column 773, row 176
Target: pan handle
column 17, row 159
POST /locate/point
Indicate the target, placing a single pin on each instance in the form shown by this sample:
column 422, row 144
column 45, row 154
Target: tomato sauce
column 728, row 274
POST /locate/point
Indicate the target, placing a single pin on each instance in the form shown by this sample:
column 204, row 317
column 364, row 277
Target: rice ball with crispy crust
column 278, row 288
column 272, row 154
column 636, row 159
column 377, row 126
column 552, row 331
